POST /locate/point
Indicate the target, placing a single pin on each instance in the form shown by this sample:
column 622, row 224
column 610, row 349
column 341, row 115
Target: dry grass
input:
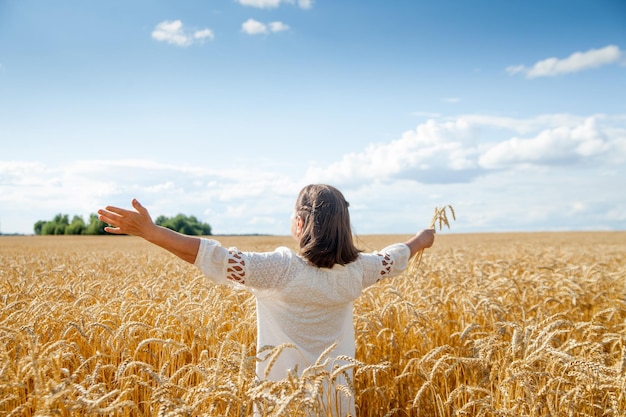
column 490, row 325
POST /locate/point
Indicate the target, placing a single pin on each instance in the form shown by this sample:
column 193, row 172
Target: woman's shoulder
column 285, row 249
column 285, row 252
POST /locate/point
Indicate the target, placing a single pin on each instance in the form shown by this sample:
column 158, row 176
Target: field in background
column 491, row 324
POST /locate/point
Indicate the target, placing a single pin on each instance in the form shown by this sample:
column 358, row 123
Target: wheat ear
column 440, row 217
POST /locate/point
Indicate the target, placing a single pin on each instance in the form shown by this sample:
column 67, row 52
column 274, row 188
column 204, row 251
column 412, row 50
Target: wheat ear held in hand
column 439, row 218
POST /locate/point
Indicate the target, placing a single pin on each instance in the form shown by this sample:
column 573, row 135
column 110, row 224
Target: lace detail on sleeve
column 389, row 262
column 236, row 269
column 252, row 269
column 386, row 264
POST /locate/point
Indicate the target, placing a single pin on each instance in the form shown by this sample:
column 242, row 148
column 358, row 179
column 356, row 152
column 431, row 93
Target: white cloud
column 562, row 145
column 254, row 27
column 173, row 32
column 278, row 26
column 271, row 4
column 576, row 62
column 469, row 146
column 305, row 4
column 203, row 34
column 433, row 152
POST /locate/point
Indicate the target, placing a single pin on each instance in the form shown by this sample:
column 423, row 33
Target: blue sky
column 513, row 112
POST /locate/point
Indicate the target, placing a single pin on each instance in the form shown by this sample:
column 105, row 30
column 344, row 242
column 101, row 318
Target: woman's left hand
column 128, row 222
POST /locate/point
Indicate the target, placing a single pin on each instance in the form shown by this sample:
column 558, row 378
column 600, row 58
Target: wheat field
column 526, row 324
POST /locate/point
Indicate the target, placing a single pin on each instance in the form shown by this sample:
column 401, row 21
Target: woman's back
column 298, row 303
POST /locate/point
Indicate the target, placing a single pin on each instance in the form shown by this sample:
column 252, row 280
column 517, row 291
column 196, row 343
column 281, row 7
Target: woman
column 303, row 299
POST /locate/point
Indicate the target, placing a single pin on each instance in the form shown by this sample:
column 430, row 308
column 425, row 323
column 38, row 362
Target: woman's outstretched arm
column 139, row 223
column 422, row 240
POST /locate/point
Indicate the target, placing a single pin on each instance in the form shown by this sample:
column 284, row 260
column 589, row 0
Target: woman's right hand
column 422, row 240
column 139, row 223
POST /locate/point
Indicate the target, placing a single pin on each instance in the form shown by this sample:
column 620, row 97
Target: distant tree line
column 61, row 225
column 187, row 225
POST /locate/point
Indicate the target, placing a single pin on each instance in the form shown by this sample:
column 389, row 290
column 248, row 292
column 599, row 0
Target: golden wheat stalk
column 492, row 329
column 440, row 217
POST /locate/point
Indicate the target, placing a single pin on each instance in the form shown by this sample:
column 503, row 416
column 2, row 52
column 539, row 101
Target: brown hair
column 326, row 237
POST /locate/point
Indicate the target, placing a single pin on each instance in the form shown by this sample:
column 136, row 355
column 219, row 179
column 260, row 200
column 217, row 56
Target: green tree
column 55, row 226
column 39, row 226
column 187, row 225
column 76, row 227
column 96, row 226
column 60, row 225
